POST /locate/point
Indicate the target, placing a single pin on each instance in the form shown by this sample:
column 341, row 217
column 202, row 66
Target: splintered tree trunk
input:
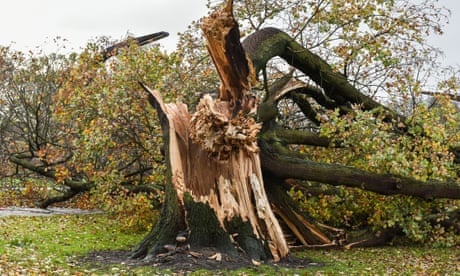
column 215, row 195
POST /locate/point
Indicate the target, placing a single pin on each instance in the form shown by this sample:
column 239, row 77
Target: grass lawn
column 52, row 245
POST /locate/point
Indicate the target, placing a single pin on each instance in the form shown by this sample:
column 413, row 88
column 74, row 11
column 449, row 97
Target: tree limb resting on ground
column 275, row 160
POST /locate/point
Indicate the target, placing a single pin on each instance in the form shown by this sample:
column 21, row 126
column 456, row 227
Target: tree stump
column 215, row 192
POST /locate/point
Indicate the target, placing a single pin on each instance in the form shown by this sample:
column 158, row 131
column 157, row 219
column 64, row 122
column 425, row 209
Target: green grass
column 51, row 245
column 397, row 260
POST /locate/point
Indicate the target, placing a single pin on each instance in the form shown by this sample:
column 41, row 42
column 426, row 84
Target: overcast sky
column 31, row 23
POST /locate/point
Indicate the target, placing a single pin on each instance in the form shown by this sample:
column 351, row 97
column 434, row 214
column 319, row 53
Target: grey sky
column 451, row 39
column 31, row 23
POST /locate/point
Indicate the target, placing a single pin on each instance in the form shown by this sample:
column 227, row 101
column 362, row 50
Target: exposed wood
column 172, row 216
column 214, row 171
column 213, row 127
column 305, row 230
column 223, row 43
column 232, row 187
column 239, row 134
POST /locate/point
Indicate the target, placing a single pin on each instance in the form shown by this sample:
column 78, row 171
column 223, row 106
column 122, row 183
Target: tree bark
column 283, row 163
column 267, row 43
column 74, row 186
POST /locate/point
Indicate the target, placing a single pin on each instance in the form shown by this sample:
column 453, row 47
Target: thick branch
column 26, row 164
column 293, row 136
column 321, row 99
column 142, row 188
column 75, row 185
column 311, row 189
column 317, row 95
column 267, row 43
column 285, row 166
column 305, row 107
column 65, row 196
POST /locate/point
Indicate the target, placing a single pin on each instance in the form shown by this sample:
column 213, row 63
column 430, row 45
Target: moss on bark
column 205, row 229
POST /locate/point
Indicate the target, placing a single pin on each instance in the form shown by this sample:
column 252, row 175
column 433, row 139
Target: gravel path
column 19, row 211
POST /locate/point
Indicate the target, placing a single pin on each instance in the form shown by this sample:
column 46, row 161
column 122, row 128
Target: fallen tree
column 226, row 171
column 233, row 161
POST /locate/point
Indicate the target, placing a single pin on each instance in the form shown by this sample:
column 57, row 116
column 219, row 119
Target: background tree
column 54, row 127
column 29, row 131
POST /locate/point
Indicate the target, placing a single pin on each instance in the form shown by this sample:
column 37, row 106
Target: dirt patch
column 189, row 261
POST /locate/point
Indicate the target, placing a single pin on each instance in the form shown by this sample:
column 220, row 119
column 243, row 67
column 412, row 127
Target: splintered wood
column 213, row 153
column 232, row 187
column 224, row 130
column 234, row 68
column 213, row 128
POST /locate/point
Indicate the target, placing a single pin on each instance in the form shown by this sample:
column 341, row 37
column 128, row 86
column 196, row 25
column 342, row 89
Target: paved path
column 20, row 211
